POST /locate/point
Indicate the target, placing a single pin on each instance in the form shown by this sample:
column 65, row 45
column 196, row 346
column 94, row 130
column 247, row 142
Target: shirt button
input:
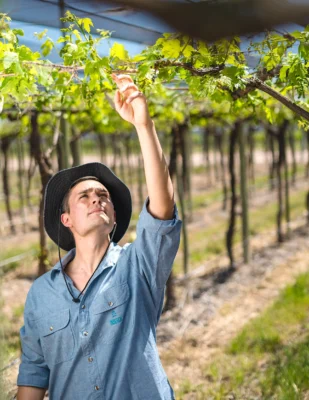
column 96, row 387
column 85, row 333
column 110, row 303
column 83, row 306
column 90, row 359
column 51, row 328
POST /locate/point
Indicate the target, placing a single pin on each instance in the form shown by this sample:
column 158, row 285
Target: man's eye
column 84, row 195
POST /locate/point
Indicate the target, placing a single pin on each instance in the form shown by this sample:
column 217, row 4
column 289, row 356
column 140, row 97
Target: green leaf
column 171, row 48
column 118, row 51
column 47, row 47
column 283, row 72
column 188, row 51
column 203, row 49
column 303, row 51
column 77, row 34
column 63, row 39
column 297, row 34
column 232, row 72
column 18, row 32
column 10, row 57
column 86, row 22
column 270, row 114
column 9, row 36
column 105, row 34
column 25, row 54
column 41, row 34
column 143, row 70
column 44, row 76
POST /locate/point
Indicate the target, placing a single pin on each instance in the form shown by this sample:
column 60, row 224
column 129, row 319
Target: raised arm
column 131, row 105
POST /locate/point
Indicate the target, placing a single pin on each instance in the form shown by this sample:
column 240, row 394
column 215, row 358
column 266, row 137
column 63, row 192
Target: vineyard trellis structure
column 51, row 107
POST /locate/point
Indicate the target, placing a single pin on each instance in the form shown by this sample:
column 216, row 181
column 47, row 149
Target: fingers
column 121, row 80
column 118, row 100
column 133, row 96
column 128, row 86
column 121, row 76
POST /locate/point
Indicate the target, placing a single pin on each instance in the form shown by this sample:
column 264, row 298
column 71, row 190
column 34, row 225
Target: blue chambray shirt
column 105, row 346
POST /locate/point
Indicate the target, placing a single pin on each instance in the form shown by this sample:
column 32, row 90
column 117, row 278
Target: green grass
column 188, row 387
column 5, row 350
column 12, row 252
column 268, row 332
column 268, row 359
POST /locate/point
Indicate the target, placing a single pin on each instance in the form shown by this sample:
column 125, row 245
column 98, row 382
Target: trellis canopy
column 134, row 28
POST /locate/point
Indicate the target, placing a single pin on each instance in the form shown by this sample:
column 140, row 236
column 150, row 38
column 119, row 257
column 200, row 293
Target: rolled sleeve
column 156, row 246
column 33, row 370
column 154, row 225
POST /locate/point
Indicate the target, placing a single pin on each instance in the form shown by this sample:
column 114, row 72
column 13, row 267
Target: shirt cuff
column 32, row 380
column 150, row 223
column 31, row 374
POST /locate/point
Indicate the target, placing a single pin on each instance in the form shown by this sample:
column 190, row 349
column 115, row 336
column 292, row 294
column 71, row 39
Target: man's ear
column 115, row 216
column 65, row 219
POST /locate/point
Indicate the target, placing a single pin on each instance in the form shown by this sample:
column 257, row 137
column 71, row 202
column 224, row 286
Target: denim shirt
column 105, row 346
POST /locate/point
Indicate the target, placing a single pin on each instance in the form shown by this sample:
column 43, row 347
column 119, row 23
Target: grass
column 12, row 252
column 4, row 351
column 188, row 387
column 268, row 359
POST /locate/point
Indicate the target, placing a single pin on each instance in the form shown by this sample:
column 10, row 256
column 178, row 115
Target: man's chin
column 104, row 217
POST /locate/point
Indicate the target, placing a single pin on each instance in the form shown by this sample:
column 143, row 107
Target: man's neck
column 89, row 253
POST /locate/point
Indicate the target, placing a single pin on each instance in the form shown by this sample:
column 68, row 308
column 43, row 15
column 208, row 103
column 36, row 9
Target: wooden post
column 5, row 145
column 45, row 169
column 75, row 148
column 231, row 229
column 244, row 193
column 21, row 193
column 180, row 192
column 170, row 291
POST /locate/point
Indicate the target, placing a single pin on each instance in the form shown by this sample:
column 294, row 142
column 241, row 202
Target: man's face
column 90, row 208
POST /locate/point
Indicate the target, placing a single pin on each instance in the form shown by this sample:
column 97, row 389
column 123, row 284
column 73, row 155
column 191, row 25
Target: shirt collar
column 109, row 260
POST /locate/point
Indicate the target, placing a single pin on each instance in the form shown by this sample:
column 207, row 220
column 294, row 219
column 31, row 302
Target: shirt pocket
column 57, row 337
column 113, row 314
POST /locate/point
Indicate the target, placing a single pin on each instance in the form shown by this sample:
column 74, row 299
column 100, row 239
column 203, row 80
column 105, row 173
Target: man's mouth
column 97, row 211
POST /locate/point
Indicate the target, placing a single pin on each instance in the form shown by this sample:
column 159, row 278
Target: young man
column 90, row 322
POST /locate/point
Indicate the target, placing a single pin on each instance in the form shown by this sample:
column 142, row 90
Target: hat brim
column 61, row 182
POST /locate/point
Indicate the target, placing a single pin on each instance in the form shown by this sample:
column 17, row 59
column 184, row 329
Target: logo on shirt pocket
column 113, row 315
column 56, row 337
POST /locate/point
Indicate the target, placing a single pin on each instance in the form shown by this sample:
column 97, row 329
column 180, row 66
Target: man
column 90, row 322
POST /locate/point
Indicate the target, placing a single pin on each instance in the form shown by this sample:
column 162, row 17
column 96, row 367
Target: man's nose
column 97, row 199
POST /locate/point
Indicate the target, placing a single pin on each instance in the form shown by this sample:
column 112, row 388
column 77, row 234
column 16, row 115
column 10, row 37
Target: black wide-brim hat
column 61, row 182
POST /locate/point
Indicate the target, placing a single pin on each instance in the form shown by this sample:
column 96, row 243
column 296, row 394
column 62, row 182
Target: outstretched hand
column 130, row 103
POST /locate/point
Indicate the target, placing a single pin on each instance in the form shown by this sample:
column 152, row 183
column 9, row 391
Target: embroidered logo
column 115, row 321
